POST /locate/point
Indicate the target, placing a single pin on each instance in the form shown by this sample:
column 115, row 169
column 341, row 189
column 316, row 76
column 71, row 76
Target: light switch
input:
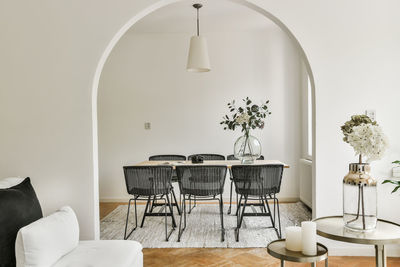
column 371, row 113
column 147, row 125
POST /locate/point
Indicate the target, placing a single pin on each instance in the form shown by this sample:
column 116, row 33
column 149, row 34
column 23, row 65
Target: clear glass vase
column 247, row 149
column 359, row 198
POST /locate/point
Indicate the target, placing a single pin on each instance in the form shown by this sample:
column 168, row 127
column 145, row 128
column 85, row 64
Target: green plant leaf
column 395, row 189
column 391, row 182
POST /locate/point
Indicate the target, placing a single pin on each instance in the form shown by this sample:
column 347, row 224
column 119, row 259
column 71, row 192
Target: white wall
column 50, row 50
column 145, row 80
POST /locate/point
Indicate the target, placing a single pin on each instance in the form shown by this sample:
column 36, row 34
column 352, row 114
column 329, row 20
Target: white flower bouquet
column 366, row 137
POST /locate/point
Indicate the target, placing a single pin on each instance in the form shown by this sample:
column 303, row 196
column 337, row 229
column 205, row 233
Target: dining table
column 227, row 163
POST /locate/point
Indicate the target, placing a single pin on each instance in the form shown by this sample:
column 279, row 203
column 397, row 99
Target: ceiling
column 215, row 16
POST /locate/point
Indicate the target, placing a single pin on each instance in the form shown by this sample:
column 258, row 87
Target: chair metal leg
column 270, row 216
column 168, row 203
column 266, row 204
column 152, row 204
column 190, row 203
column 262, row 208
column 171, row 210
column 183, row 209
column 166, row 224
column 221, row 213
column 240, row 216
column 145, row 211
column 127, row 219
column 230, row 199
column 279, row 219
column 274, row 207
column 237, row 203
column 176, row 202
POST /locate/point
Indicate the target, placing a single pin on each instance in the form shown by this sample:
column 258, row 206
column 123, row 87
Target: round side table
column 278, row 250
column 385, row 233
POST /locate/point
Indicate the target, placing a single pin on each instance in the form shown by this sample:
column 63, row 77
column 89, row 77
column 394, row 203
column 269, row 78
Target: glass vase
column 247, row 149
column 359, row 198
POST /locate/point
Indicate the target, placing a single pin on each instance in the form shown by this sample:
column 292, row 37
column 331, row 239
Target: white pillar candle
column 293, row 238
column 309, row 238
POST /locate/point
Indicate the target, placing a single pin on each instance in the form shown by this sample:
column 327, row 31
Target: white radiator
column 305, row 172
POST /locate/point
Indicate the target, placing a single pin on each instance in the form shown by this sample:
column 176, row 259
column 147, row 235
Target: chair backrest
column 148, row 180
column 201, row 180
column 232, row 157
column 208, row 156
column 257, row 180
column 167, row 157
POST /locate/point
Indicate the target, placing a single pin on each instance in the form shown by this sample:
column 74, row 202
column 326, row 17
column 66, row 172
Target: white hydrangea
column 369, row 141
column 243, row 118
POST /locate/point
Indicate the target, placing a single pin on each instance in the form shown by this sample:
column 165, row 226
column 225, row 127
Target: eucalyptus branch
column 249, row 116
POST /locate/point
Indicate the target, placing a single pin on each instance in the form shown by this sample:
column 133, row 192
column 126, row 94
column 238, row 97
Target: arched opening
column 149, row 10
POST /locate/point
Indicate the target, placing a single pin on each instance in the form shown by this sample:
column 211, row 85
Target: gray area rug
column 203, row 227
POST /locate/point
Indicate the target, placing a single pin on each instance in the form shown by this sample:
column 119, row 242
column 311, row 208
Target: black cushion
column 19, row 206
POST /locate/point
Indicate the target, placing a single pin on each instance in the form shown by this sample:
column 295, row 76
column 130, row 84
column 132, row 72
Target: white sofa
column 54, row 241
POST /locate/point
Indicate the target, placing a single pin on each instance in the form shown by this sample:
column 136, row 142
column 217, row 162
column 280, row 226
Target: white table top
column 228, row 163
column 333, row 228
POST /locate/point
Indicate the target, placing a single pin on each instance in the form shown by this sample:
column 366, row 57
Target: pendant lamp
column 198, row 60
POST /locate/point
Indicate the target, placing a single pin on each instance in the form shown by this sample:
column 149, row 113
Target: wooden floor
column 221, row 257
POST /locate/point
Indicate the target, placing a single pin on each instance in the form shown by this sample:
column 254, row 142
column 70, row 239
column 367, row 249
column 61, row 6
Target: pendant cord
column 198, row 24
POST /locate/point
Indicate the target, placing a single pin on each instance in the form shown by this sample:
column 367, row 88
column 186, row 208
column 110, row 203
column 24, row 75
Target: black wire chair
column 255, row 182
column 145, row 182
column 167, row 157
column 174, row 179
column 203, row 182
column 232, row 157
column 208, row 156
column 205, row 157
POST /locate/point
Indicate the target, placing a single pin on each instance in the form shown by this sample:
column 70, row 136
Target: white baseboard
column 108, row 200
column 306, row 202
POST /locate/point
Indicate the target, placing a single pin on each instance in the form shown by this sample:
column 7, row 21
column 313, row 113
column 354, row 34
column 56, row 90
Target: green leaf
column 396, row 162
column 248, row 101
column 391, row 182
column 395, row 189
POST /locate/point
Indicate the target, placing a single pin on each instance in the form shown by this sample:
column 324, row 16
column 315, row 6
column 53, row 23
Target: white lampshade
column 198, row 60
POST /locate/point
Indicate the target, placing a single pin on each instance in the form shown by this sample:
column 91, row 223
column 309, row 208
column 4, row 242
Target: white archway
column 125, row 28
